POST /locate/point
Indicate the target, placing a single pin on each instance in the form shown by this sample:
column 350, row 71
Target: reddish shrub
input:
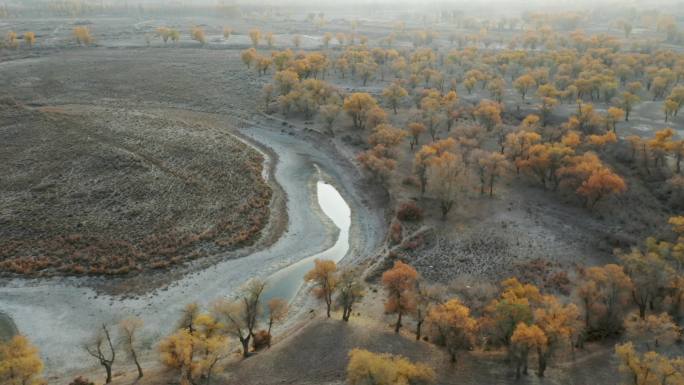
column 261, row 340
column 410, row 181
column 413, row 244
column 395, row 232
column 80, row 380
column 559, row 281
column 409, row 211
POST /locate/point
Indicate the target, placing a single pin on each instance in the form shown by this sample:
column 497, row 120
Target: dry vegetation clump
column 83, row 36
column 95, row 202
column 29, row 39
column 167, row 34
column 197, row 34
column 11, row 40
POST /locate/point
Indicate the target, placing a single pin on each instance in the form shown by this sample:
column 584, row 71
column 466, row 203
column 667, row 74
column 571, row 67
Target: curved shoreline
column 41, row 308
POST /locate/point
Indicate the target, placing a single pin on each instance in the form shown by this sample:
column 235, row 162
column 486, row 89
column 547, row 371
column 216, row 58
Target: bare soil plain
column 102, row 191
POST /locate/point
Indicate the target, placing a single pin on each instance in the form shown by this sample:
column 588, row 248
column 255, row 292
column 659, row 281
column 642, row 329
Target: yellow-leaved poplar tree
column 366, row 368
column 20, row 362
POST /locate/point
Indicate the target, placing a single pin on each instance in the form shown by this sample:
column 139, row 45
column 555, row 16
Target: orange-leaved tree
column 601, row 183
column 197, row 34
column 515, row 304
column 446, row 179
column 423, row 159
column 400, row 284
column 82, row 35
column 255, row 36
column 379, row 161
column 604, row 292
column 650, row 274
column 29, row 39
column 560, row 323
column 324, row 279
column 655, row 330
column 489, row 165
column 525, row 339
column 452, row 326
column 650, row 367
column 416, row 129
column 358, row 105
column 523, row 84
column 393, row 95
column 488, row 113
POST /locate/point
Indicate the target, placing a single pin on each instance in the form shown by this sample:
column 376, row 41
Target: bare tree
column 277, row 311
column 241, row 316
column 190, row 312
column 129, row 328
column 98, row 348
column 349, row 291
column 426, row 297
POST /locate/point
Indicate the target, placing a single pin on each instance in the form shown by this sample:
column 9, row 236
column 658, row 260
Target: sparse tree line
column 12, row 40
column 198, row 34
column 588, row 68
column 202, row 340
column 534, row 29
column 80, row 34
column 642, row 298
column 80, row 8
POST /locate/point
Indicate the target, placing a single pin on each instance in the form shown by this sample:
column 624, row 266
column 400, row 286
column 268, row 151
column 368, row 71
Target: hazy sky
column 542, row 3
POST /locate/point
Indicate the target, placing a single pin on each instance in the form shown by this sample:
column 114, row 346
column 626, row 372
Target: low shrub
column 395, row 232
column 410, row 181
column 262, row 339
column 409, row 211
column 80, row 380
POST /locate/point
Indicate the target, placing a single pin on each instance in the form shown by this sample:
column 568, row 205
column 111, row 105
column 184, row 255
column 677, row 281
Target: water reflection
column 286, row 282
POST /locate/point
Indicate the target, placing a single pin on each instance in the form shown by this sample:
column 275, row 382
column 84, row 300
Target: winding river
column 59, row 316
